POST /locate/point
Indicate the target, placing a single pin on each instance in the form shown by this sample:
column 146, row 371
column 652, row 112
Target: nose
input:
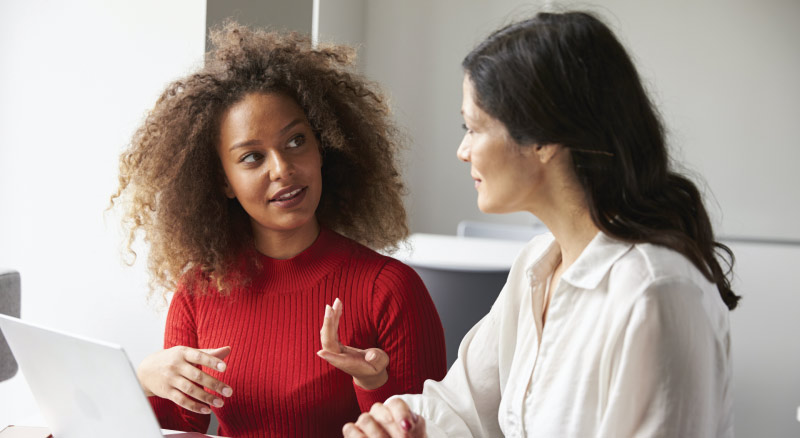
column 280, row 167
column 463, row 150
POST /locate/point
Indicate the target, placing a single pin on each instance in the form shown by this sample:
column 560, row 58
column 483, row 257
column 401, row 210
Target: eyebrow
column 252, row 142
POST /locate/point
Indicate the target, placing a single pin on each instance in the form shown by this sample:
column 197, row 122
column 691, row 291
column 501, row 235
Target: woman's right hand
column 174, row 374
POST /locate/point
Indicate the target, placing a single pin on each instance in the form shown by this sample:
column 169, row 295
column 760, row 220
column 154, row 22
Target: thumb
column 377, row 358
column 219, row 353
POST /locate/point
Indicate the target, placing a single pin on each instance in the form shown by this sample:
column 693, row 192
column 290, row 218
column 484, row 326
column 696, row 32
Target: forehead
column 263, row 107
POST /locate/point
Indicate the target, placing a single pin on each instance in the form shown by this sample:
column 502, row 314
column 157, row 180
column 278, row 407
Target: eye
column 250, row 157
column 297, row 141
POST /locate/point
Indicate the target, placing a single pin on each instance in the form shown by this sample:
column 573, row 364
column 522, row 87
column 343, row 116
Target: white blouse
column 636, row 343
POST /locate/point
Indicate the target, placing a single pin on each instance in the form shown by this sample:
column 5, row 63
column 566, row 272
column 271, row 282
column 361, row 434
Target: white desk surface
column 437, row 251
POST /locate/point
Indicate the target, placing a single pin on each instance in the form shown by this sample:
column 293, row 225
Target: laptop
column 84, row 388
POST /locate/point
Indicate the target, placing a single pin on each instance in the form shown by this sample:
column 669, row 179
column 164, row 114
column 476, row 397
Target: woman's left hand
column 368, row 367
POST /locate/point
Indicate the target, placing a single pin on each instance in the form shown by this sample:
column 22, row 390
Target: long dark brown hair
column 566, row 79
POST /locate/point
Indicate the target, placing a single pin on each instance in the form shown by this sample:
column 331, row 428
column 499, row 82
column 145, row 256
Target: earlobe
column 226, row 187
column 546, row 152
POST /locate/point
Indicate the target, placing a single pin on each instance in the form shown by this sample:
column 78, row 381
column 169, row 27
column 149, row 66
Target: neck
column 285, row 244
column 573, row 234
column 566, row 214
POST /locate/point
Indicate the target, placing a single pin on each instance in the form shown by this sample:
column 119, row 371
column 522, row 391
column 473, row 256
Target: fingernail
column 205, row 410
column 405, row 425
column 218, row 402
column 319, row 353
column 327, row 310
column 227, row 391
column 221, row 366
column 337, row 301
column 370, row 356
column 415, row 417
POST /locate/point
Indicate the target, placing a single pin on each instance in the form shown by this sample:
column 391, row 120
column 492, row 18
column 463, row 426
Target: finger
column 328, row 335
column 189, row 388
column 370, row 427
column 376, row 358
column 405, row 419
column 200, row 357
column 182, row 400
column 220, row 353
column 350, row 430
column 383, row 415
column 353, row 365
column 337, row 315
column 202, row 379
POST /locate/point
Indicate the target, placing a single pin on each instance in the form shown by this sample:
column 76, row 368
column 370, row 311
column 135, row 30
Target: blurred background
column 77, row 77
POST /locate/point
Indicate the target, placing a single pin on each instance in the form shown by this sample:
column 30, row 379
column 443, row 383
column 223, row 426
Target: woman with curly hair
column 616, row 323
column 260, row 183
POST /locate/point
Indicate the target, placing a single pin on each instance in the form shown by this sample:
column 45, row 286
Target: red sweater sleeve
column 410, row 332
column 180, row 330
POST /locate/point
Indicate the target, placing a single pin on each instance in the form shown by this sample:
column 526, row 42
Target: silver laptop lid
column 84, row 388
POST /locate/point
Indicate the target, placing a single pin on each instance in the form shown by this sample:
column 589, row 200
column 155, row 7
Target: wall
column 275, row 14
column 76, row 78
column 766, row 357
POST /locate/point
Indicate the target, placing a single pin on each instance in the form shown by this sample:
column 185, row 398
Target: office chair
column 9, row 305
column 490, row 230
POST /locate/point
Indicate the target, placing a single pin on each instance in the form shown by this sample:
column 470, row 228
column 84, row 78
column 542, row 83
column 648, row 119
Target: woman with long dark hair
column 614, row 325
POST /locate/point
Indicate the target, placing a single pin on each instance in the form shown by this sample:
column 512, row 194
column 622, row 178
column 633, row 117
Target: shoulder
column 661, row 279
column 653, row 266
column 368, row 257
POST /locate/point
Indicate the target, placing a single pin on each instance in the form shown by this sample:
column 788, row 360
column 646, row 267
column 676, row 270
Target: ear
column 546, row 152
column 226, row 187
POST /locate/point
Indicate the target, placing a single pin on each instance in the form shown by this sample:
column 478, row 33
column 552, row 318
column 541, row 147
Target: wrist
column 372, row 382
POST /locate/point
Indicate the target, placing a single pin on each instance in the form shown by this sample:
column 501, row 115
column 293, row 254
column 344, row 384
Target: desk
column 459, row 254
column 462, row 274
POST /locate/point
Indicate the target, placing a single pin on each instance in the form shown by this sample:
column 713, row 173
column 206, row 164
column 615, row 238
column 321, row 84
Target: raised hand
column 173, row 374
column 368, row 367
column 391, row 420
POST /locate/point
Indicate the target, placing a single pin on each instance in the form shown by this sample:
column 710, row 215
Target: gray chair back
column 9, row 305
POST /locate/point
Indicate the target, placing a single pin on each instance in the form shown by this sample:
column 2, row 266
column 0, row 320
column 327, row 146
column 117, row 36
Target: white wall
column 766, row 351
column 75, row 80
column 722, row 72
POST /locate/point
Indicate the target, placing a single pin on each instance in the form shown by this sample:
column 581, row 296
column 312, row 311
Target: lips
column 287, row 193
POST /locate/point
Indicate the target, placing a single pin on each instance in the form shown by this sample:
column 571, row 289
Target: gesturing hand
column 368, row 367
column 391, row 420
column 173, row 374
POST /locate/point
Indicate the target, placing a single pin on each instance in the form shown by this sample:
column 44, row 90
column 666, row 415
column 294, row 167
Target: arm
column 408, row 330
column 669, row 369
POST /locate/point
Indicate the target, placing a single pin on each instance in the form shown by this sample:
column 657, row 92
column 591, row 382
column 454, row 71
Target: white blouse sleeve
column 466, row 402
column 669, row 366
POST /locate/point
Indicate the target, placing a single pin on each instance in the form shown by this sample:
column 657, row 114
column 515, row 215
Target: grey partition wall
column 9, row 305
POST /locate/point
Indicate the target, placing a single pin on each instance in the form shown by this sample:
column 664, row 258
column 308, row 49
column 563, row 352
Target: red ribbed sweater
column 281, row 388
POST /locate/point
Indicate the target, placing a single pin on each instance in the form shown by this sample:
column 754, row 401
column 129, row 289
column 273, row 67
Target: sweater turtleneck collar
column 305, row 269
